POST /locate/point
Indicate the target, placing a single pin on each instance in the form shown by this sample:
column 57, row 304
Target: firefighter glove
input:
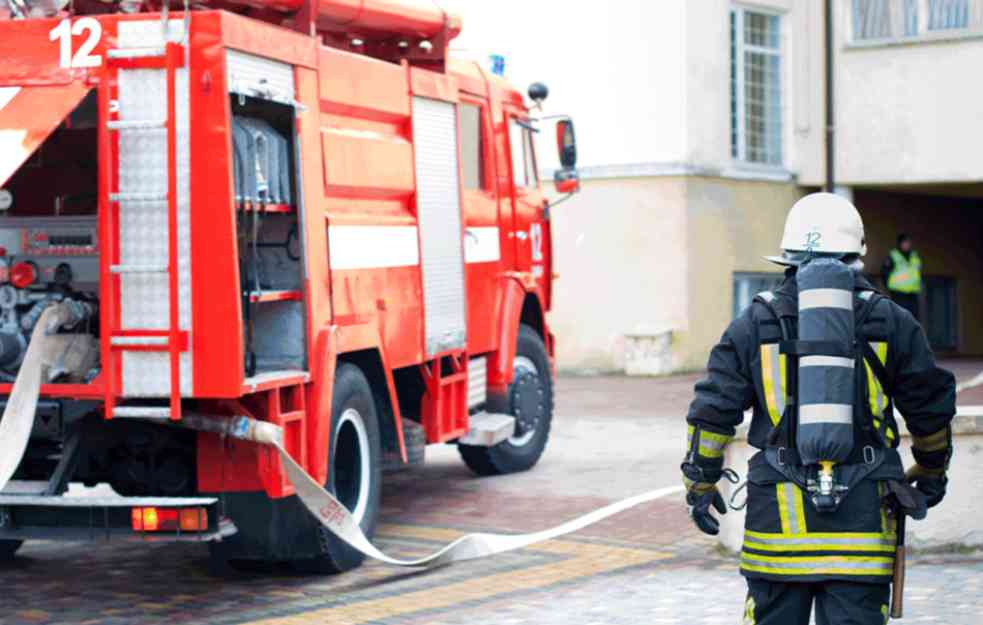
column 700, row 496
column 932, row 455
column 930, row 482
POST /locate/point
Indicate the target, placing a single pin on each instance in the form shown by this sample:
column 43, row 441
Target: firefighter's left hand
column 701, row 496
column 931, row 482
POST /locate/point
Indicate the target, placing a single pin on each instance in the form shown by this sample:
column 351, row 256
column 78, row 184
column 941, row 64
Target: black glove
column 700, row 496
column 930, row 482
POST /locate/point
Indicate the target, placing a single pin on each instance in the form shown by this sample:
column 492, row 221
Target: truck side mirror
column 566, row 179
column 566, row 143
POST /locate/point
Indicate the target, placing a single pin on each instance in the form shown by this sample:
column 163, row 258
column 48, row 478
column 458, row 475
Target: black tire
column 530, row 400
column 356, row 444
column 8, row 548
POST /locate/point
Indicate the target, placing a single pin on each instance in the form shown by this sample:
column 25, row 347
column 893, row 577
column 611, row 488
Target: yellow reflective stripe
column 749, row 618
column 773, row 366
column 878, row 399
column 875, row 543
column 889, row 525
column 873, row 391
column 818, row 565
column 791, row 509
column 834, row 535
column 842, row 560
column 799, row 508
column 782, row 370
column 711, row 444
column 818, row 570
column 798, row 548
column 782, row 507
column 933, row 442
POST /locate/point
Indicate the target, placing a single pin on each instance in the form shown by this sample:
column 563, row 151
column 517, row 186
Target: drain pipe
column 830, row 117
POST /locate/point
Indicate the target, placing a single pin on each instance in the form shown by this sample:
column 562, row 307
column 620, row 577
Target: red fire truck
column 302, row 211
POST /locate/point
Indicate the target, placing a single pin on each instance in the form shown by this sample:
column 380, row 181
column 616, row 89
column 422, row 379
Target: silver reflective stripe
column 878, row 541
column 795, row 524
column 825, row 298
column 778, row 380
column 814, row 414
column 711, row 448
column 768, row 296
column 824, row 562
column 866, row 295
column 826, row 361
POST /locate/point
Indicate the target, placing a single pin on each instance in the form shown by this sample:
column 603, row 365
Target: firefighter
column 902, row 275
column 795, row 554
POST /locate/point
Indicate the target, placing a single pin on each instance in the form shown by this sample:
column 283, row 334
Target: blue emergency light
column 497, row 64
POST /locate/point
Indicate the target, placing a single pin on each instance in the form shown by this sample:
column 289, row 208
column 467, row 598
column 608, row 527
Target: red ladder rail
column 115, row 339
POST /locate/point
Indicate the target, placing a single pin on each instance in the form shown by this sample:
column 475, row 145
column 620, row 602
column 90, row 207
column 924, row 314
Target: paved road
column 614, row 437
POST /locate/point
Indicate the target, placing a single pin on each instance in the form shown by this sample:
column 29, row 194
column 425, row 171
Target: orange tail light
column 153, row 519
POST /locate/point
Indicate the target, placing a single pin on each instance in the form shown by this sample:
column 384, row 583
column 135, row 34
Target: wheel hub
column 527, row 402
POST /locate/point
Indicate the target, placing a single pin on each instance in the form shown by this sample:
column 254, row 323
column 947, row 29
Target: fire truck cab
column 302, row 211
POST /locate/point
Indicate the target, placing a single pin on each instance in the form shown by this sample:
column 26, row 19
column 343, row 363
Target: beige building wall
column 619, row 248
column 731, row 224
column 904, row 107
column 640, row 255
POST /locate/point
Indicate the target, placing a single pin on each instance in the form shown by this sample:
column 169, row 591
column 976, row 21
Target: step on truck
column 301, row 211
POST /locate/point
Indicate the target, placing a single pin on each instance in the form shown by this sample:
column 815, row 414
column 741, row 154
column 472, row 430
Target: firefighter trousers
column 837, row 603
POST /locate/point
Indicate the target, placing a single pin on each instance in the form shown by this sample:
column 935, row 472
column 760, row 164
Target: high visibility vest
column 906, row 277
column 785, row 538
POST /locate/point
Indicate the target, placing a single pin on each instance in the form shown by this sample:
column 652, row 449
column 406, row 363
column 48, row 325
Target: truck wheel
column 354, row 471
column 8, row 548
column 530, row 400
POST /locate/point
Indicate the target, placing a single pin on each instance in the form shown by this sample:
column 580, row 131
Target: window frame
column 776, row 276
column 737, row 92
column 484, row 153
column 528, row 151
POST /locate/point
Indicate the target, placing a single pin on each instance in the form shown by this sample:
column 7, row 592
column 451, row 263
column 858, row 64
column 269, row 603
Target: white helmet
column 821, row 223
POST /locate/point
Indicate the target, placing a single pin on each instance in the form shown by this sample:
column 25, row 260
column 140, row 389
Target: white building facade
column 701, row 121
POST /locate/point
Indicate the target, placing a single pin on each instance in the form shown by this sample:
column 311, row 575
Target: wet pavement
column 613, row 437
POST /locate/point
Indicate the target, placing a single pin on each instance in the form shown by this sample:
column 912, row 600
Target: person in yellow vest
column 902, row 275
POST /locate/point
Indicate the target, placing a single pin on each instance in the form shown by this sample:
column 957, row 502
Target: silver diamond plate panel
column 477, row 381
column 143, row 225
column 439, row 213
column 258, row 76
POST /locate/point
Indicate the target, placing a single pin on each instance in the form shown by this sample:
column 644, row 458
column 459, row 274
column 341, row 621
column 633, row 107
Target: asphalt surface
column 613, row 437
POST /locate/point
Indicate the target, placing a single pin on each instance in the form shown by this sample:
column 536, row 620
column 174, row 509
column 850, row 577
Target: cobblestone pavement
column 613, row 437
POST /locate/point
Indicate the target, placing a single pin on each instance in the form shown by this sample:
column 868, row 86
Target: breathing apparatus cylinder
column 826, row 381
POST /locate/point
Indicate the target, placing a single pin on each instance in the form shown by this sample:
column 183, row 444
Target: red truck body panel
column 358, row 212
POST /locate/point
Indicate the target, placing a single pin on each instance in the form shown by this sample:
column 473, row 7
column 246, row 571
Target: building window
column 747, row 285
column 523, row 156
column 947, row 14
column 472, row 147
column 897, row 19
column 755, row 87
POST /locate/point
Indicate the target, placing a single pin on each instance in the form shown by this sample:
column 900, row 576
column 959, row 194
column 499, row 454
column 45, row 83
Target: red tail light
column 169, row 519
column 23, row 275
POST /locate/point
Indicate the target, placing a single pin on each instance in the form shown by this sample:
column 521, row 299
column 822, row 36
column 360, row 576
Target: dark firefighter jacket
column 785, row 537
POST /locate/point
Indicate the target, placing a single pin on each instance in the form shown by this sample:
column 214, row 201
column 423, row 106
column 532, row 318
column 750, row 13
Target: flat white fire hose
column 18, row 420
column 334, row 516
column 18, row 416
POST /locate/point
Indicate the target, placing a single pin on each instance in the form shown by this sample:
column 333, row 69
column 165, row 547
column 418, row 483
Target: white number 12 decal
column 83, row 57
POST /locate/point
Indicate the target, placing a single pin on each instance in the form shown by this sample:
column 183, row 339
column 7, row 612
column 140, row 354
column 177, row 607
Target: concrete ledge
column 951, row 525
